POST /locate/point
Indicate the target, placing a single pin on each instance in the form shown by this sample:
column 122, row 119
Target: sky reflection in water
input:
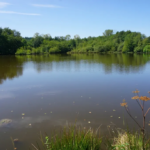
column 54, row 90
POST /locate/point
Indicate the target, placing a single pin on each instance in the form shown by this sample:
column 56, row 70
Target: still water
column 43, row 93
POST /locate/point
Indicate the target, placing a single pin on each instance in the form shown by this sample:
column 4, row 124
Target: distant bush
column 54, row 50
column 146, row 48
column 21, row 51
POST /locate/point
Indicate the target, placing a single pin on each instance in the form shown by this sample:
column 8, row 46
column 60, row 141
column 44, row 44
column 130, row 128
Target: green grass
column 73, row 138
column 78, row 138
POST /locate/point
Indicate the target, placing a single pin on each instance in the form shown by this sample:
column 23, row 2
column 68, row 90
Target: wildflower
column 144, row 98
column 123, row 104
column 136, row 91
column 135, row 97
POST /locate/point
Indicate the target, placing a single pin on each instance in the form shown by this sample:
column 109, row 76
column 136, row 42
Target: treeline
column 41, row 44
column 124, row 41
column 11, row 42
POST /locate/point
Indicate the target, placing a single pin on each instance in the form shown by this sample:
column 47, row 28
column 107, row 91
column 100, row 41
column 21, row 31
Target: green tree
column 10, row 41
column 47, row 37
column 108, row 32
column 37, row 40
column 67, row 37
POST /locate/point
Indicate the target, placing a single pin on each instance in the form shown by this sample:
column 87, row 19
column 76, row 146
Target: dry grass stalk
column 138, row 99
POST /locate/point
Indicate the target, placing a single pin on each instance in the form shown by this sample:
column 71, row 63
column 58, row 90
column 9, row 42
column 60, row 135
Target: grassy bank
column 78, row 138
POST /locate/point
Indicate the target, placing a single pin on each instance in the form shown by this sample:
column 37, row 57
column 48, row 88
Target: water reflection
column 128, row 63
column 5, row 95
column 50, row 90
column 44, row 93
column 12, row 66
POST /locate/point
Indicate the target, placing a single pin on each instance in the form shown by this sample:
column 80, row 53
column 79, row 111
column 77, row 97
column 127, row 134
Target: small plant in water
column 141, row 101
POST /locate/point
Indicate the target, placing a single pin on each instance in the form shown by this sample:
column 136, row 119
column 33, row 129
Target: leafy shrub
column 20, row 51
column 100, row 48
column 54, row 50
column 28, row 52
column 146, row 48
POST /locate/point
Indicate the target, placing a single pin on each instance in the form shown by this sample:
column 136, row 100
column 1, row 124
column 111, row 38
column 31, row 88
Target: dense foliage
column 124, row 41
column 11, row 42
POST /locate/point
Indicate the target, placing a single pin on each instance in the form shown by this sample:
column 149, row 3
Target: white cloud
column 48, row 93
column 48, row 6
column 6, row 95
column 18, row 13
column 2, row 4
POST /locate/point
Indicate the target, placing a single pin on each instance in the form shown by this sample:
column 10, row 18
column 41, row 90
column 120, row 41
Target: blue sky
column 82, row 17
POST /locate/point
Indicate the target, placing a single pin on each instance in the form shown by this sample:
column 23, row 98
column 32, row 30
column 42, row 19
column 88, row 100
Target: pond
column 43, row 93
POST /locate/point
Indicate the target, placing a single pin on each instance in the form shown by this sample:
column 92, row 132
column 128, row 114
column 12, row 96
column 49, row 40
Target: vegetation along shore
column 75, row 137
column 12, row 43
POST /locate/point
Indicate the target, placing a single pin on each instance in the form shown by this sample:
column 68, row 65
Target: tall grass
column 77, row 138
column 73, row 138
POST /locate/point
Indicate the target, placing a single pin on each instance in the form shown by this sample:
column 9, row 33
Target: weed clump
column 74, row 138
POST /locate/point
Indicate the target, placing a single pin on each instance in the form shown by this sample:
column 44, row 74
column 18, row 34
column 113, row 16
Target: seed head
column 144, row 98
column 123, row 104
column 135, row 97
column 136, row 91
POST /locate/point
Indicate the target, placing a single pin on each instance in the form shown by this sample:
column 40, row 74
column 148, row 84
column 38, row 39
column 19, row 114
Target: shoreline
column 79, row 53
